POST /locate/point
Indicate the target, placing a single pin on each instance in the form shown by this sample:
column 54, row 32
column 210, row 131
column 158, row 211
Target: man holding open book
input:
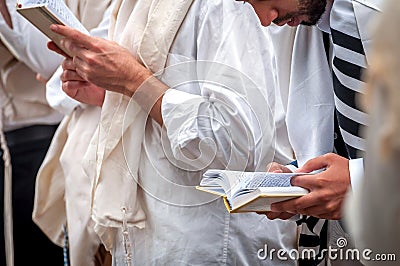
column 165, row 220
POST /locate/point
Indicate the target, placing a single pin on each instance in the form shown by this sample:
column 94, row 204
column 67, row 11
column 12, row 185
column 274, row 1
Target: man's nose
column 269, row 16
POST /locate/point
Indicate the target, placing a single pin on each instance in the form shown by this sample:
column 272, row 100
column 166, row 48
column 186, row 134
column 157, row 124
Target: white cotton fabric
column 114, row 194
column 305, row 79
column 172, row 223
column 21, row 56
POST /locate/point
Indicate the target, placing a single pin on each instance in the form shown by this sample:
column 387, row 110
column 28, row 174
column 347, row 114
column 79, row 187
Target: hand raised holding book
column 102, row 62
column 108, row 65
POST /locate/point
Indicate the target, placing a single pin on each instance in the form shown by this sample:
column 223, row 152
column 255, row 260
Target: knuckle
column 96, row 44
column 331, row 208
column 319, row 183
column 75, row 35
column 65, row 86
column 62, row 77
column 324, row 197
column 90, row 59
column 271, row 166
column 82, row 72
column 88, row 71
column 65, row 64
column 297, row 205
column 337, row 216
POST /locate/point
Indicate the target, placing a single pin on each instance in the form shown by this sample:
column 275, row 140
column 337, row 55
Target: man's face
column 291, row 12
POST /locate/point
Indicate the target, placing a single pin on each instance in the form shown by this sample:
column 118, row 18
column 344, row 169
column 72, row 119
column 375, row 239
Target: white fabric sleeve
column 54, row 94
column 28, row 44
column 203, row 128
column 223, row 116
column 356, row 169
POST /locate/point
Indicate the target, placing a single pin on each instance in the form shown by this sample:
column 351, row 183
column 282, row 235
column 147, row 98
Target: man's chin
column 308, row 23
column 294, row 22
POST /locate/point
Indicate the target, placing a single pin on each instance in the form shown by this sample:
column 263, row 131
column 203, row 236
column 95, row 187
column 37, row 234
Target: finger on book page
column 68, row 64
column 306, row 181
column 73, row 34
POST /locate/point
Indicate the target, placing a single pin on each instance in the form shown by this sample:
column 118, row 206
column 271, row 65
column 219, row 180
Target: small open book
column 250, row 191
column 43, row 13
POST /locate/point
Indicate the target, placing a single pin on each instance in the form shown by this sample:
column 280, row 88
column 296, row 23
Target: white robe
column 182, row 225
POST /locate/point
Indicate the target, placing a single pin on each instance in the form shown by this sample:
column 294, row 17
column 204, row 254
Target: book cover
column 43, row 13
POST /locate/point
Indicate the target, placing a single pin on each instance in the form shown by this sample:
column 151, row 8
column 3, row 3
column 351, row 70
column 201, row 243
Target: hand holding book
column 250, row 191
column 327, row 188
column 43, row 13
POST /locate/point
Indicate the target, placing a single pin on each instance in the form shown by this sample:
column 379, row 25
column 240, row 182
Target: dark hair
column 313, row 9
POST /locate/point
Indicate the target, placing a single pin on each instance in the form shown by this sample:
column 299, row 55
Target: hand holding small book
column 106, row 64
column 102, row 62
column 327, row 188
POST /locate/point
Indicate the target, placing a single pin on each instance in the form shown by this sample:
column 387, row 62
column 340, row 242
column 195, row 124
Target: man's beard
column 312, row 9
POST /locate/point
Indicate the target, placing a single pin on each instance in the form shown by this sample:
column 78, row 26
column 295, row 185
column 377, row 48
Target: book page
column 222, row 178
column 253, row 181
column 58, row 9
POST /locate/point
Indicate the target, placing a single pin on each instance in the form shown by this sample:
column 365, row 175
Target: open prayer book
column 43, row 13
column 250, row 191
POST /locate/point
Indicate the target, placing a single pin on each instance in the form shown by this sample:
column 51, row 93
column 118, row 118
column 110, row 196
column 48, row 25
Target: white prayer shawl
column 147, row 29
column 62, row 188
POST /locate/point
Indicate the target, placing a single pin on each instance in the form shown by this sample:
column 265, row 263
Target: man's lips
column 295, row 21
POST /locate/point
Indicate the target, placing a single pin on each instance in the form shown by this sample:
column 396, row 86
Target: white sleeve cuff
column 56, row 98
column 356, row 168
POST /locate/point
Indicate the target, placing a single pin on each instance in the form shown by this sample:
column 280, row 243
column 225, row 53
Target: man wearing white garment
column 28, row 123
column 62, row 188
column 225, row 120
column 30, row 46
column 346, row 21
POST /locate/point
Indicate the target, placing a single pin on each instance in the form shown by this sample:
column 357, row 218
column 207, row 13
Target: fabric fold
column 147, row 29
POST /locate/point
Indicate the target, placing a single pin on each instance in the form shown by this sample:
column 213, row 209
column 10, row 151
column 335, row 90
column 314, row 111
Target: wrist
column 149, row 96
column 137, row 80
